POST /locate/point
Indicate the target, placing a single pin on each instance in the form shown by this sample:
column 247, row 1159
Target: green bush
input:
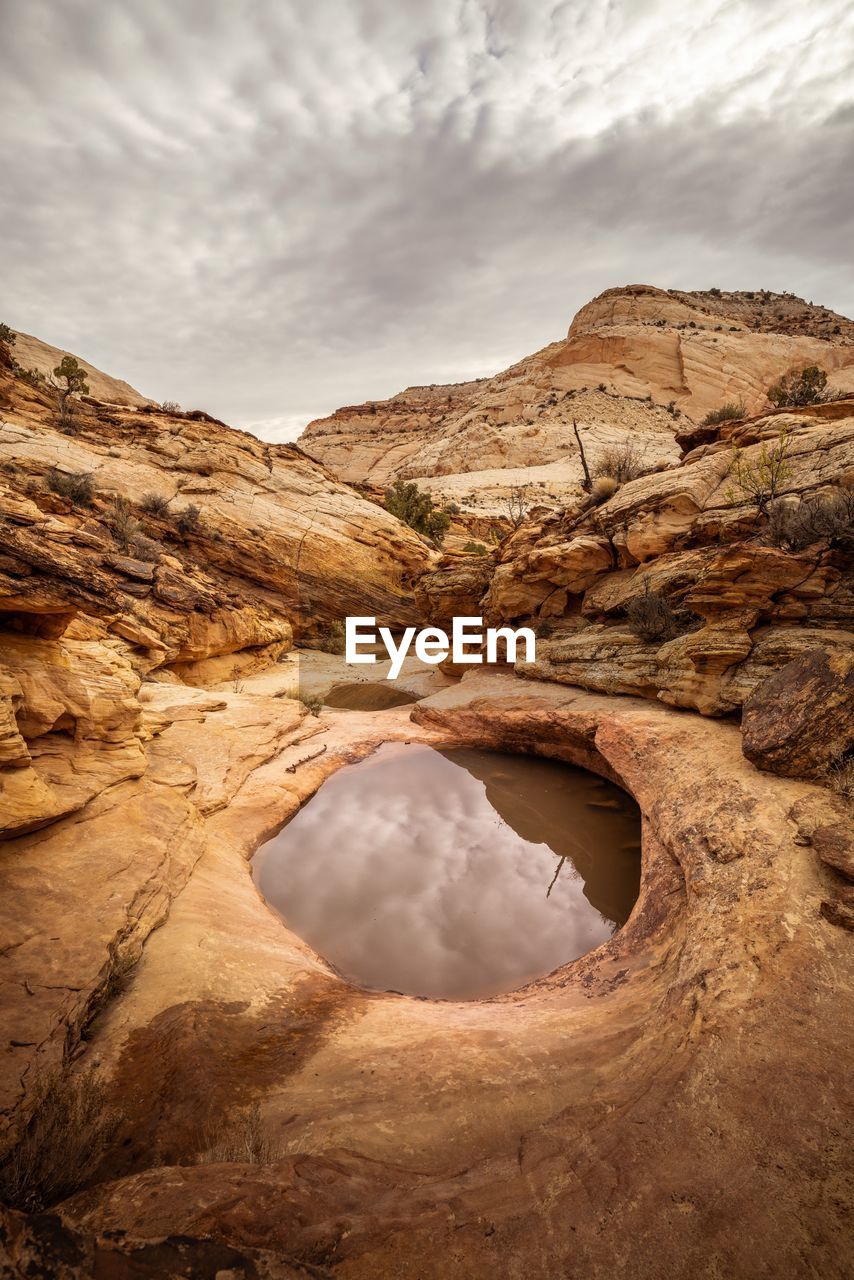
column 799, row 387
column 758, row 478
column 728, row 412
column 417, row 509
column 7, row 336
column 475, row 548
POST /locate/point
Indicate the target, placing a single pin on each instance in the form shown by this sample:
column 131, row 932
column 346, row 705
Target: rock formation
column 672, row 1103
column 150, row 544
column 637, row 361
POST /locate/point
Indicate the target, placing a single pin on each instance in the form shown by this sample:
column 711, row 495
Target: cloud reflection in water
column 427, row 872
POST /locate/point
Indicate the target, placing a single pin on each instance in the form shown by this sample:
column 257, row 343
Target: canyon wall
column 637, row 362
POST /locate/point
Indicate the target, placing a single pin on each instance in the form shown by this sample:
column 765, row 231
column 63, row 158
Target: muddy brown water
column 369, row 695
column 457, row 874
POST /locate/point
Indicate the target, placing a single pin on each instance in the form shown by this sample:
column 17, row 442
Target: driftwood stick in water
column 292, row 768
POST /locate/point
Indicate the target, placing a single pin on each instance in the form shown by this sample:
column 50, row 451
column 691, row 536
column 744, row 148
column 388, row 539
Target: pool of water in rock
column 457, row 874
column 367, row 695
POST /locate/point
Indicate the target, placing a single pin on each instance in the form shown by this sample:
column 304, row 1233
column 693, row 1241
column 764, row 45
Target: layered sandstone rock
column 252, row 544
column 439, row 1137
column 638, row 362
column 742, row 606
column 801, row 719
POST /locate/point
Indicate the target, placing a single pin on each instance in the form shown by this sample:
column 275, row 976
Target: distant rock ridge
column 634, row 358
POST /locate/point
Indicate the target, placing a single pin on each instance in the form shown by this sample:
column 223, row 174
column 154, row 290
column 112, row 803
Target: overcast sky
column 269, row 208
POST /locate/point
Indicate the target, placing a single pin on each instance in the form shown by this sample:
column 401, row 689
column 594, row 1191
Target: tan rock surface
column 32, row 353
column 97, row 592
column 565, row 1125
column 628, row 355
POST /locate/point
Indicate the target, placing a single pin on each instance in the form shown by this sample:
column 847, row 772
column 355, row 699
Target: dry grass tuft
column 69, row 1132
column 240, row 1140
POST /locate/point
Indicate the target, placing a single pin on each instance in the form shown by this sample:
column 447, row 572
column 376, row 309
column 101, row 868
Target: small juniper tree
column 68, row 380
column 799, row 387
column 759, row 478
column 728, row 412
column 7, row 336
column 416, row 508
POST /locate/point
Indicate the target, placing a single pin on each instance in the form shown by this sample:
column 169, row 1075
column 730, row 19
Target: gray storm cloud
column 269, row 209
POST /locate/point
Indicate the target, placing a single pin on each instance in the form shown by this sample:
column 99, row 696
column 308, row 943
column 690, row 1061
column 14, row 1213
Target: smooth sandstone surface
column 608, row 1111
column 631, row 358
column 673, row 1103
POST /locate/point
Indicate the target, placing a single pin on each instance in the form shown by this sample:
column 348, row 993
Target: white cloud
column 260, row 207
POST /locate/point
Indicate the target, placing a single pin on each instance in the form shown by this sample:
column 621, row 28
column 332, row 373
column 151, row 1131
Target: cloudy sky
column 268, row 208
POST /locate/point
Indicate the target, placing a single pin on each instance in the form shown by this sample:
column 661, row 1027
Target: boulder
column 801, row 719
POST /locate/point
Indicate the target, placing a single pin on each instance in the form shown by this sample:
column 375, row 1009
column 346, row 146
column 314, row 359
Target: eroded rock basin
column 458, row 873
column 605, row 1119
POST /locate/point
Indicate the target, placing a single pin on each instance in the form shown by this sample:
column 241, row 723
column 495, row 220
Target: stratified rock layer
column 99, row 587
column 638, row 362
column 606, row 1116
column 801, row 719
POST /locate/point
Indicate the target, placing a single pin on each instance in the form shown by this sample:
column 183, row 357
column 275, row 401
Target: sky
column 271, row 208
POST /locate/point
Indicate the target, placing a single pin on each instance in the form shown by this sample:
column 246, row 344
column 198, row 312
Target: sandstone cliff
column 151, row 544
column 633, row 359
column 683, row 1088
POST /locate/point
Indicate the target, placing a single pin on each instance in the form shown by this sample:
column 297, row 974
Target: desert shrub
column 416, row 508
column 621, row 462
column 453, row 508
column 171, row 406
column 601, row 387
column 32, row 377
column 188, row 520
column 603, row 489
column 475, row 548
column 516, row 505
column 841, row 777
column 63, row 1144
column 672, row 410
column 122, row 521
column 827, row 517
column 154, row 504
column 74, row 485
column 650, row 615
column 241, row 1140
column 727, row 412
column 799, row 387
column 330, row 638
column 758, row 478
column 144, row 548
column 7, row 336
column 716, row 293
column 312, row 703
